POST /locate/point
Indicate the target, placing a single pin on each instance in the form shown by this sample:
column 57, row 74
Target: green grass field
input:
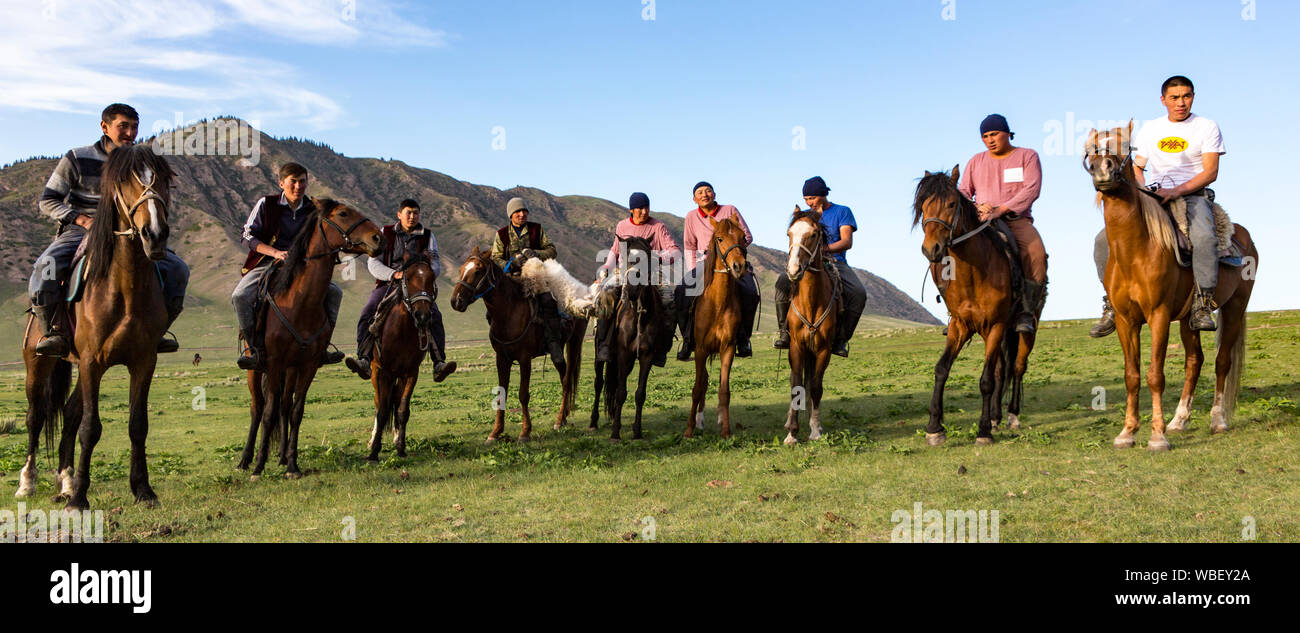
column 1057, row 480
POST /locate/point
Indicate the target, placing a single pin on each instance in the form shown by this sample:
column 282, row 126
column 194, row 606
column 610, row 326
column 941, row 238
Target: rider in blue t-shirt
column 838, row 223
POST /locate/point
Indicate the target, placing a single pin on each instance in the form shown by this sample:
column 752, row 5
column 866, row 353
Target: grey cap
column 516, row 204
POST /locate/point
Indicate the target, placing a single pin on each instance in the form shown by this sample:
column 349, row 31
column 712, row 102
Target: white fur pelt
column 1223, row 227
column 574, row 297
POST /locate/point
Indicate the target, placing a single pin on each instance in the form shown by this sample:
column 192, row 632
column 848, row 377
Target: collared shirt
column 653, row 230
column 73, row 188
column 282, row 236
column 404, row 242
column 698, row 231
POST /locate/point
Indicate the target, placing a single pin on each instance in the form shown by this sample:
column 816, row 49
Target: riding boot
column 360, row 365
column 845, row 323
column 1106, row 324
column 1203, row 311
column 603, row 328
column 665, row 340
column 54, row 341
column 329, row 358
column 783, row 329
column 687, row 325
column 251, row 358
column 747, row 309
column 553, row 330
column 1031, row 296
column 174, row 307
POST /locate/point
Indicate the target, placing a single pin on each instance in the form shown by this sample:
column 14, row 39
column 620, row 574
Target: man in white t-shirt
column 1180, row 157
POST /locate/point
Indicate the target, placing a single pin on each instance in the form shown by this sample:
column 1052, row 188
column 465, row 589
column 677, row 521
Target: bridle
column 126, row 213
column 808, row 263
column 348, row 243
column 409, row 300
column 813, row 257
column 477, row 288
column 1095, row 149
column 722, row 256
column 952, row 226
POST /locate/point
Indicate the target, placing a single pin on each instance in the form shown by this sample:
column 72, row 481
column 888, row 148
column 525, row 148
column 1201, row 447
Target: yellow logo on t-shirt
column 1172, row 144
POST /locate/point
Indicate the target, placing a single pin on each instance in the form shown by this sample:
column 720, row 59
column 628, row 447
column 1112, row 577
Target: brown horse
column 637, row 323
column 119, row 320
column 811, row 320
column 297, row 329
column 1147, row 285
column 976, row 278
column 516, row 335
column 717, row 319
column 400, row 348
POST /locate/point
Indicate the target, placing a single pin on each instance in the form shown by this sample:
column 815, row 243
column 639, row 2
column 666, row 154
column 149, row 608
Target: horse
column 716, row 320
column 397, row 362
column 295, row 296
column 1146, row 285
column 811, row 319
column 976, row 278
column 637, row 324
column 516, row 336
column 118, row 321
column 197, row 359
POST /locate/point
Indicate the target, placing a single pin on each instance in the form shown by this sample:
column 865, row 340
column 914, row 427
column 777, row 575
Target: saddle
column 1230, row 251
column 1005, row 241
column 391, row 298
column 76, row 281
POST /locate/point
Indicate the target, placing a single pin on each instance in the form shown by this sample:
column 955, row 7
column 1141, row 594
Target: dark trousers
column 749, row 300
column 368, row 314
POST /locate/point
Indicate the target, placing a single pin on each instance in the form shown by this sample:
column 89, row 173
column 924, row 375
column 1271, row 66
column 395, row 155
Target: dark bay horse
column 814, row 291
column 516, row 335
column 717, row 318
column 119, row 320
column 400, row 347
column 297, row 329
column 638, row 324
column 976, row 278
column 1147, row 285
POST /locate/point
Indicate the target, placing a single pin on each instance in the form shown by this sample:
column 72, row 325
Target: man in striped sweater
column 70, row 198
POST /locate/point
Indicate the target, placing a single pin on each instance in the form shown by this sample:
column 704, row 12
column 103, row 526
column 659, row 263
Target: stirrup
column 168, row 345
column 782, row 340
column 55, row 345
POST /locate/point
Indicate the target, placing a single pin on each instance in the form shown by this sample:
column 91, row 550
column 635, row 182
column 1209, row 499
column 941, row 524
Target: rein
column 409, row 301
column 125, row 211
column 835, row 286
column 347, row 238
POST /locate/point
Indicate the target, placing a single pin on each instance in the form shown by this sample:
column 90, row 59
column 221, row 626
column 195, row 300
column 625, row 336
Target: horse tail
column 56, row 393
column 1237, row 357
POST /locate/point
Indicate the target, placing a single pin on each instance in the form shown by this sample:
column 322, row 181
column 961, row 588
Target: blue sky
column 594, row 99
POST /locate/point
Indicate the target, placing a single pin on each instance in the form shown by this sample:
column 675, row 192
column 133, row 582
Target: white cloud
column 76, row 56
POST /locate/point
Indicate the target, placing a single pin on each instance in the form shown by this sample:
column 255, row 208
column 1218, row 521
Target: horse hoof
column 1158, row 445
column 525, row 439
column 1216, row 429
column 1123, row 442
column 148, row 502
column 614, row 440
column 253, row 478
column 293, row 475
column 1015, row 422
column 983, row 441
column 1176, row 426
column 935, row 439
column 489, row 441
column 24, row 492
column 76, row 505
column 996, row 427
column 790, row 440
column 590, row 429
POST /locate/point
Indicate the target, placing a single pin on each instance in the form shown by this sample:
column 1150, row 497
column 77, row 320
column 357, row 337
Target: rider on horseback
column 1004, row 182
column 640, row 224
column 405, row 238
column 1183, row 152
column 271, row 228
column 838, row 223
column 70, row 198
column 516, row 243
column 696, row 236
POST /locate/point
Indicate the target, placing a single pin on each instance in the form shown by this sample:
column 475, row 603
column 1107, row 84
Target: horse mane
column 1159, row 225
column 939, row 184
column 121, row 163
column 296, row 259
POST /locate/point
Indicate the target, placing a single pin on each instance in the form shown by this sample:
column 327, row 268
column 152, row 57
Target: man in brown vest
column 270, row 229
column 516, row 243
column 406, row 238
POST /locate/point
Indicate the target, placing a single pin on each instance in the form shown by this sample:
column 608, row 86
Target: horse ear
column 956, row 173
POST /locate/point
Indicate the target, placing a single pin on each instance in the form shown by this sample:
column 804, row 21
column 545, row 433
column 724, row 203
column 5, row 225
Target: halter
column 126, row 212
column 1124, row 146
column 952, row 228
column 808, row 264
column 477, row 288
column 409, row 301
column 722, row 256
column 813, row 256
column 347, row 238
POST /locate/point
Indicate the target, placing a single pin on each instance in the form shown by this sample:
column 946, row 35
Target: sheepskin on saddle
column 574, row 298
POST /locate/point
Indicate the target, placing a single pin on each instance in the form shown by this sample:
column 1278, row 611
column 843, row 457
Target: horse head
column 807, row 241
column 137, row 186
column 419, row 289
column 360, row 236
column 941, row 210
column 477, row 277
column 1106, row 157
column 729, row 247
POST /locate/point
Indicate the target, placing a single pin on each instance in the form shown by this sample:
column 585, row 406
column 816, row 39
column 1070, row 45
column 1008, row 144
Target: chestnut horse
column 1146, row 285
column 814, row 291
column 637, row 325
column 297, row 329
column 119, row 320
column 717, row 319
column 516, row 335
column 400, row 348
column 976, row 279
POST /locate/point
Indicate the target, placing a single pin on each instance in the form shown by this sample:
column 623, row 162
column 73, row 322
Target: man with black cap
column 838, row 222
column 516, row 243
column 640, row 224
column 1004, row 182
column 696, row 234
